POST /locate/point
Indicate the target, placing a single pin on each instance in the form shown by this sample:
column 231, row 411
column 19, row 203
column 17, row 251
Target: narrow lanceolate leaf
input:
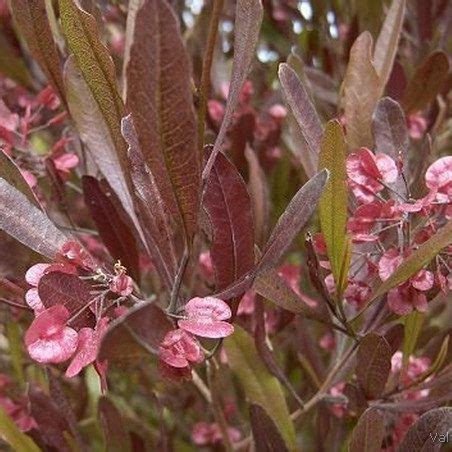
column 28, row 224
column 97, row 69
column 160, row 99
column 412, row 328
column 416, row 261
column 228, row 207
column 95, row 132
column 70, row 291
column 135, row 335
column 154, row 218
column 391, row 137
column 33, row 24
column 430, row 433
column 261, row 388
column 303, row 110
column 12, row 65
column 296, row 215
column 116, row 436
column 360, row 92
column 248, row 18
column 426, row 82
column 333, row 203
column 10, row 434
column 266, row 435
column 373, row 364
column 12, row 175
column 115, row 233
column 388, row 41
column 369, row 433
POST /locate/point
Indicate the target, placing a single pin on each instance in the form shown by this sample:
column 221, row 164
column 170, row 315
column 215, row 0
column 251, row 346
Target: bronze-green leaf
column 260, row 386
column 333, row 203
column 33, row 24
column 11, row 434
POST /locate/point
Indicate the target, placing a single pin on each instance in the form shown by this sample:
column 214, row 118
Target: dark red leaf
column 369, row 433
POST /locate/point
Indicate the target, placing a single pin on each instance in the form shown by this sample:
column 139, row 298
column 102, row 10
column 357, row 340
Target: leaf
column 416, row 261
column 26, row 223
column 303, row 110
column 333, row 203
column 33, row 24
column 388, row 41
column 10, row 172
column 266, row 435
column 391, row 137
column 248, row 19
column 426, row 82
column 153, row 216
column 260, row 387
column 228, row 206
column 12, row 65
column 260, row 196
column 14, row 336
column 369, row 433
column 296, row 215
column 360, row 93
column 135, row 335
column 115, row 233
column 159, row 97
column 412, row 328
column 421, row 436
column 95, row 133
column 52, row 424
column 70, row 291
column 11, row 434
column 116, row 436
column 373, row 364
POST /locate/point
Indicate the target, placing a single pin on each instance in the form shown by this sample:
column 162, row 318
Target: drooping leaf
column 135, row 335
column 266, row 435
column 70, row 291
column 429, row 433
column 159, row 97
column 333, row 203
column 95, row 132
column 228, row 207
column 154, row 217
column 426, row 82
column 260, row 196
column 373, row 364
column 412, row 328
column 296, row 215
column 391, row 136
column 52, row 424
column 303, row 110
column 11, row 434
column 33, row 24
column 12, row 175
column 360, row 92
column 116, row 436
column 388, row 41
column 369, row 433
column 416, row 261
column 248, row 18
column 260, row 387
column 26, row 223
column 115, row 233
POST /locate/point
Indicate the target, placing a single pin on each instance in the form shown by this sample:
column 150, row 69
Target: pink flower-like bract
column 48, row 339
column 206, row 318
column 179, row 349
column 122, row 285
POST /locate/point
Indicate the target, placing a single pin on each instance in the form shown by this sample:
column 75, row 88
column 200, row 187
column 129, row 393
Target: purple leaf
column 115, row 233
column 369, row 433
column 304, row 112
column 248, row 18
column 69, row 290
column 228, row 207
column 160, row 100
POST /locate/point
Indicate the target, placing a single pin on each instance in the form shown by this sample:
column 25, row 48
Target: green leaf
column 333, row 203
column 260, row 386
column 13, row 436
column 388, row 41
column 413, row 325
column 369, row 432
column 31, row 19
column 14, row 336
